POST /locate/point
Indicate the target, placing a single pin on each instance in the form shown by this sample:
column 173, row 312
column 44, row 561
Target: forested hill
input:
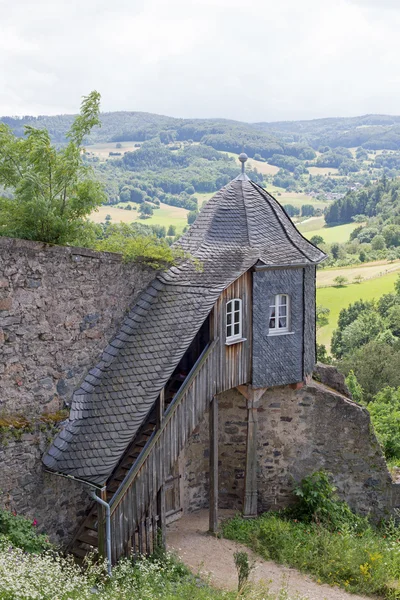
column 292, row 138
column 379, row 203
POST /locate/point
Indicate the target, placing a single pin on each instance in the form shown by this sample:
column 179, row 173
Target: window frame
column 230, row 309
column 277, row 330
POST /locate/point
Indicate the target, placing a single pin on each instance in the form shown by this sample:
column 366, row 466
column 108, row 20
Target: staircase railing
column 136, row 495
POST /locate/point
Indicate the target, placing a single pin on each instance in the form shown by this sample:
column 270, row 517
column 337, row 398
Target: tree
column 358, row 278
column 340, row 280
column 322, row 316
column 364, row 329
column 108, row 217
column 171, row 230
column 375, row 365
column 307, row 210
column 385, row 416
column 354, row 387
column 378, row 243
column 317, row 240
column 335, row 249
column 192, row 216
column 145, row 211
column 291, row 210
column 53, row 190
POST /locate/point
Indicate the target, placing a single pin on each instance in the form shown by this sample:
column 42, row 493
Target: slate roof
column 240, row 226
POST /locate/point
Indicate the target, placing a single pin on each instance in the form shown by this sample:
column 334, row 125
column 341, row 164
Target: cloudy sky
column 260, row 60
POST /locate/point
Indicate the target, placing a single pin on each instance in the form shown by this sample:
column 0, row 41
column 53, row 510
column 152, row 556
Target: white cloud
column 264, row 60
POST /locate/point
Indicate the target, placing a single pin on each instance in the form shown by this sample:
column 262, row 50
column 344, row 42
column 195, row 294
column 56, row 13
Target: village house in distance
column 204, row 398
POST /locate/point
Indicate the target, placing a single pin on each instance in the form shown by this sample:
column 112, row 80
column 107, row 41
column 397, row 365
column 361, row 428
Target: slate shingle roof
column 240, row 226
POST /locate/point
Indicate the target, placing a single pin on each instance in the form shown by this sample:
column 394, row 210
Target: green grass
column 340, row 233
column 166, row 215
column 336, row 298
column 365, row 561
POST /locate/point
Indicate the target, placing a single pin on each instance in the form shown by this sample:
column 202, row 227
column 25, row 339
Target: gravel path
column 213, row 557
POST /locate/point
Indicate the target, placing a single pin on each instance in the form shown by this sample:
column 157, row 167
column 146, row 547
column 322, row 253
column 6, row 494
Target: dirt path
column 214, row 557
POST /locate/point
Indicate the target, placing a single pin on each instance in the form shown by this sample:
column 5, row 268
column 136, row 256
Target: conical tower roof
column 241, row 226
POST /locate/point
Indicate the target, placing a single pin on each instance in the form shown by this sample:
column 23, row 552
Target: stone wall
column 55, row 502
column 59, row 307
column 300, row 431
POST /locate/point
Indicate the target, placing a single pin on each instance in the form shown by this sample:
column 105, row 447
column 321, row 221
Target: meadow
column 102, row 150
column 165, row 215
column 336, row 298
column 316, row 226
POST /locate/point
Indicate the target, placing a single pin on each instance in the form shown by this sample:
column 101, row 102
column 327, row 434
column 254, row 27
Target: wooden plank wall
column 234, row 366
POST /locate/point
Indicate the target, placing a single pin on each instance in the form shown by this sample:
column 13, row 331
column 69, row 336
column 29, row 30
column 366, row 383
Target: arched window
column 279, row 313
column 233, row 320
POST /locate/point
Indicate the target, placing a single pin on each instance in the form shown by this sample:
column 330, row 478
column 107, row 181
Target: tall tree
column 53, row 190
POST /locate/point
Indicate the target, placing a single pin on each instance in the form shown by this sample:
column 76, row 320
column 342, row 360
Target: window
column 234, row 320
column 279, row 313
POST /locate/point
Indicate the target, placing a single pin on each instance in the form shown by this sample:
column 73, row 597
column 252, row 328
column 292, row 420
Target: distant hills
column 372, row 132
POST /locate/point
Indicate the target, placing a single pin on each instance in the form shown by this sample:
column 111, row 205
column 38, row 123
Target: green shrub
column 318, row 502
column 385, row 416
column 17, row 531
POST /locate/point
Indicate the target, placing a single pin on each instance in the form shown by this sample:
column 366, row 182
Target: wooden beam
column 161, row 517
column 213, row 526
column 253, row 397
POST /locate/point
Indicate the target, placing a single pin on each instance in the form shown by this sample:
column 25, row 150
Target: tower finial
column 243, row 157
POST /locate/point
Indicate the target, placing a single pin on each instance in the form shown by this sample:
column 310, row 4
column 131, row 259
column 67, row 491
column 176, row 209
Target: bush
column 385, row 416
column 17, row 531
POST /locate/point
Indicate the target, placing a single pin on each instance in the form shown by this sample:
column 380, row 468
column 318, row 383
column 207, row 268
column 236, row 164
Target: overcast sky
column 260, row 60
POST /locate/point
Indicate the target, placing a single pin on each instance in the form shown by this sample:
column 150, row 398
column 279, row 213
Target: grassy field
column 166, row 215
column 102, row 150
column 336, row 298
column 323, row 171
column 315, row 226
column 371, row 270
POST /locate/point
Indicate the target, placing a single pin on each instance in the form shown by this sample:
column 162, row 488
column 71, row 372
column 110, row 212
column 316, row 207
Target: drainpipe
column 108, row 529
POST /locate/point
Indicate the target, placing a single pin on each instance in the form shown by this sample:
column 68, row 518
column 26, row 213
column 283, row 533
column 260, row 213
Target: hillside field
column 336, row 298
column 166, row 215
column 371, row 270
column 315, row 226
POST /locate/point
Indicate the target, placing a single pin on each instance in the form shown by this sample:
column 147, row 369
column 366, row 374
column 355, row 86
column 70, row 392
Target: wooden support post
column 161, row 516
column 214, row 465
column 253, row 397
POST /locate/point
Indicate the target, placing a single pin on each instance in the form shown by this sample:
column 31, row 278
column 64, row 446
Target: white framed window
column 234, row 320
column 279, row 313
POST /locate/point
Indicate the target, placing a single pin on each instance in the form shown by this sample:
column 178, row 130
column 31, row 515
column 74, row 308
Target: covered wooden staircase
column 137, row 488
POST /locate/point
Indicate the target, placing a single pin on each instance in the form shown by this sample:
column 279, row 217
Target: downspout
column 108, row 529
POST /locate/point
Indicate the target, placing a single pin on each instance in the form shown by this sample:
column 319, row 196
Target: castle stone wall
column 299, row 431
column 59, row 307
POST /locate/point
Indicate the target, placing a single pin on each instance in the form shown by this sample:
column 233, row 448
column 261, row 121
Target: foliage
column 243, row 568
column 385, row 416
column 322, row 315
column 52, row 577
column 144, row 248
column 376, row 365
column 340, row 280
column 322, row 536
column 53, row 191
column 17, row 531
column 322, row 355
column 364, row 562
column 354, row 387
column 317, row 502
